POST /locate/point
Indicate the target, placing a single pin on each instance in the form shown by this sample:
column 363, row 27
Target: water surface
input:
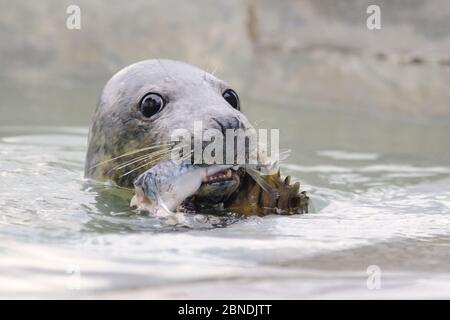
column 380, row 196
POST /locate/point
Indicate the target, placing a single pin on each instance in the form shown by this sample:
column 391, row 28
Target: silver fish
column 162, row 188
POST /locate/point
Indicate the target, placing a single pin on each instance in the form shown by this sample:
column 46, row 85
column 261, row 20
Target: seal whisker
column 140, row 158
column 161, row 157
column 144, row 165
column 154, row 146
column 144, row 157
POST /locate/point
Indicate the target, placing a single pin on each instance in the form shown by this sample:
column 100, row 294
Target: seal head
column 142, row 105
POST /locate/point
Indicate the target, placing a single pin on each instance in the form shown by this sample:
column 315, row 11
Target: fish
column 161, row 189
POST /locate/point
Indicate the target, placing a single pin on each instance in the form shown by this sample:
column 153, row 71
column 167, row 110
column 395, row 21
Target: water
column 380, row 195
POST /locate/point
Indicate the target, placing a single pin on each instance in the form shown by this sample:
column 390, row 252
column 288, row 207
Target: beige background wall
column 310, row 53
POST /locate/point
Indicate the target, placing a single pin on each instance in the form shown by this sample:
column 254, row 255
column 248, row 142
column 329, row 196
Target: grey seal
column 139, row 108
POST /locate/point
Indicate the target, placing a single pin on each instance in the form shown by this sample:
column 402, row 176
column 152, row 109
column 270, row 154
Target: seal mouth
column 218, row 187
column 221, row 176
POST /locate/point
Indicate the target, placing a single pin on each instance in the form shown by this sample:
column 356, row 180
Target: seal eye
column 232, row 98
column 151, row 104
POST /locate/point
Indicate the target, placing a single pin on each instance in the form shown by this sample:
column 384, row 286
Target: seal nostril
column 237, row 124
column 227, row 123
column 222, row 126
